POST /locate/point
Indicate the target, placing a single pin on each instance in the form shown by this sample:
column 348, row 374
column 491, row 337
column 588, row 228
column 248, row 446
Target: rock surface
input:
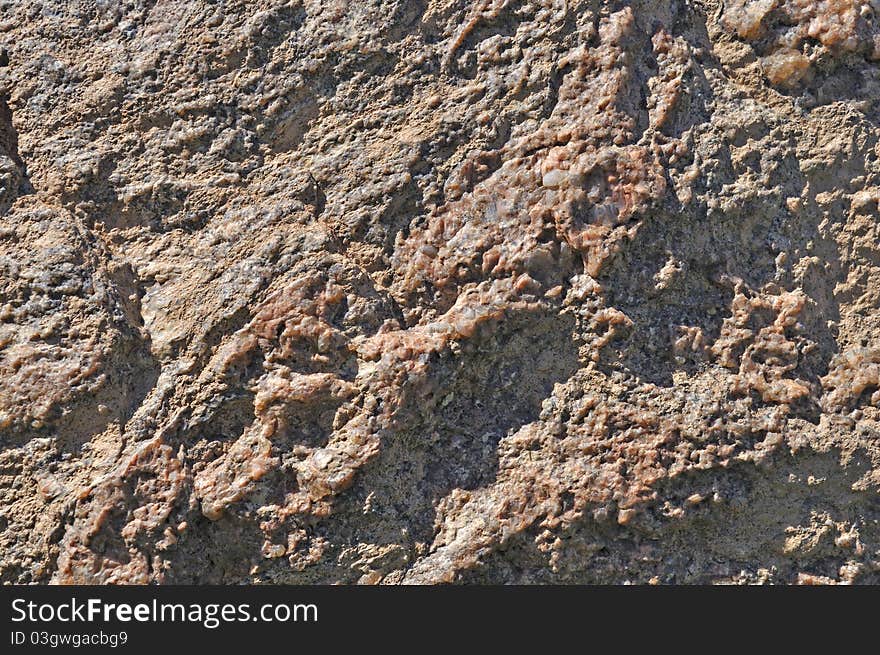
column 440, row 291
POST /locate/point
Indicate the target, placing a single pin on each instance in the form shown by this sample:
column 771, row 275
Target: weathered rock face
column 440, row 291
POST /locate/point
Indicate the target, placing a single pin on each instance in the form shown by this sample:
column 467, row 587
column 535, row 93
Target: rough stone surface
column 400, row 291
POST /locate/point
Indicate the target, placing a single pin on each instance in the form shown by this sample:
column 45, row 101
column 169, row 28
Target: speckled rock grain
column 440, row 291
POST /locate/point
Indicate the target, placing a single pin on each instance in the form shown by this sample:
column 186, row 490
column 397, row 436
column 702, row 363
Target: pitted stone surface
column 442, row 291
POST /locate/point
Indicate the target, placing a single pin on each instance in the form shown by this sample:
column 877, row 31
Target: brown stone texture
column 440, row 291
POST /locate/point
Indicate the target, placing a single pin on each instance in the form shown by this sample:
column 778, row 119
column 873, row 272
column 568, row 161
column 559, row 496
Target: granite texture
column 392, row 291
